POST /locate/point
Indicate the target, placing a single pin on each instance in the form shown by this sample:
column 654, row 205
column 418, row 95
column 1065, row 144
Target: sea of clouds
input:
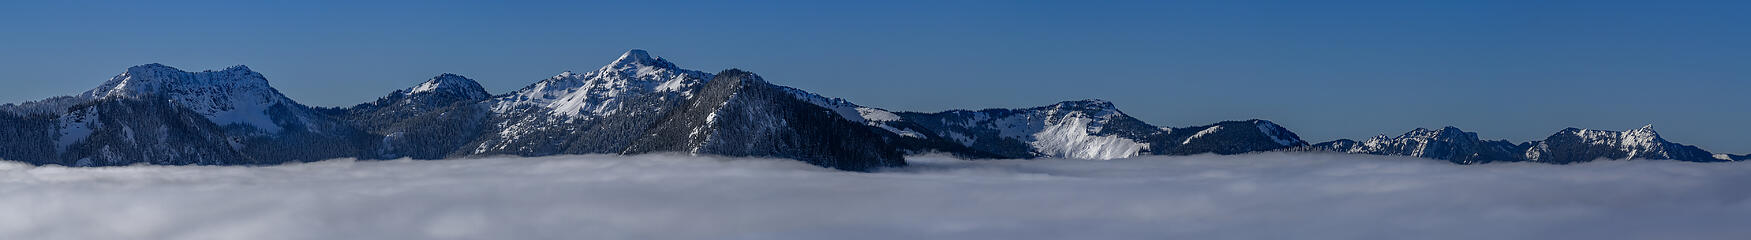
column 1253, row 196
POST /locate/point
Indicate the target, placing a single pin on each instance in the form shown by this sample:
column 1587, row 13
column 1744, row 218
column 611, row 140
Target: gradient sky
column 1334, row 69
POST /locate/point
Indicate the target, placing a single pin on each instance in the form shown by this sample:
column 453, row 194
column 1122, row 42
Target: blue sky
column 1512, row 70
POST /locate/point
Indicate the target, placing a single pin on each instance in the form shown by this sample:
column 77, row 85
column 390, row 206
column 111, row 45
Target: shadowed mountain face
column 739, row 114
column 638, row 103
column 426, row 121
column 1447, row 143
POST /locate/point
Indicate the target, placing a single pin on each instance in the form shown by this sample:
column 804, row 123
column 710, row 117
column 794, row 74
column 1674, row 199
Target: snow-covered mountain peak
column 152, row 67
column 1645, row 129
column 1095, row 104
column 1092, row 108
column 450, row 84
column 1449, row 132
column 1577, row 145
column 238, row 68
column 159, row 79
column 1642, row 137
column 235, row 95
column 637, row 58
column 601, row 92
column 1379, row 138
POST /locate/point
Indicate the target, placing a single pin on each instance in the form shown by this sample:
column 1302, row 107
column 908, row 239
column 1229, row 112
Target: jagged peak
column 1447, row 132
column 238, row 68
column 154, row 78
column 1381, row 137
column 638, row 57
column 1644, row 128
column 1639, row 136
column 1642, row 135
column 234, row 95
column 1086, row 107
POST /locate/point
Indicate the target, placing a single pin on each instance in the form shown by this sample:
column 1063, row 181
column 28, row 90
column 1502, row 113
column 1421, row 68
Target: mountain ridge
column 640, row 103
column 1569, row 145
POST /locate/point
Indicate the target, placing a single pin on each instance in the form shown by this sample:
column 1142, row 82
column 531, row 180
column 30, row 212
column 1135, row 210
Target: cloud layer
column 1255, row 196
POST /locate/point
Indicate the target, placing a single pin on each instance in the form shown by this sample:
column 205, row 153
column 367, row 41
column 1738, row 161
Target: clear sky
column 1517, row 70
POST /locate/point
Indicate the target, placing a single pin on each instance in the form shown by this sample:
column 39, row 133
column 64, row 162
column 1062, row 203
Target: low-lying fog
column 1254, row 196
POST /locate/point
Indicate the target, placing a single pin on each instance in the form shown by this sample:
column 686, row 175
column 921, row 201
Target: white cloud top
column 1255, row 196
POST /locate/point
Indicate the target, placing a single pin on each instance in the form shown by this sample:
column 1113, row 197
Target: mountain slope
column 123, row 131
column 427, row 121
column 233, row 97
column 1448, row 143
column 1086, row 129
column 739, row 114
column 162, row 115
column 1228, row 137
column 28, row 137
column 1581, row 145
column 593, row 112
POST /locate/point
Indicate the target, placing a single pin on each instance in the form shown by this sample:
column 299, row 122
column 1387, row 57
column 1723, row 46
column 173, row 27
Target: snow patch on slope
column 75, row 128
column 1071, row 139
column 874, row 117
column 1201, row 134
column 1270, row 129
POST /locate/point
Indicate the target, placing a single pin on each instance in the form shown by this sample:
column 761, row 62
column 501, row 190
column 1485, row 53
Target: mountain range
column 157, row 114
column 1569, row 145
